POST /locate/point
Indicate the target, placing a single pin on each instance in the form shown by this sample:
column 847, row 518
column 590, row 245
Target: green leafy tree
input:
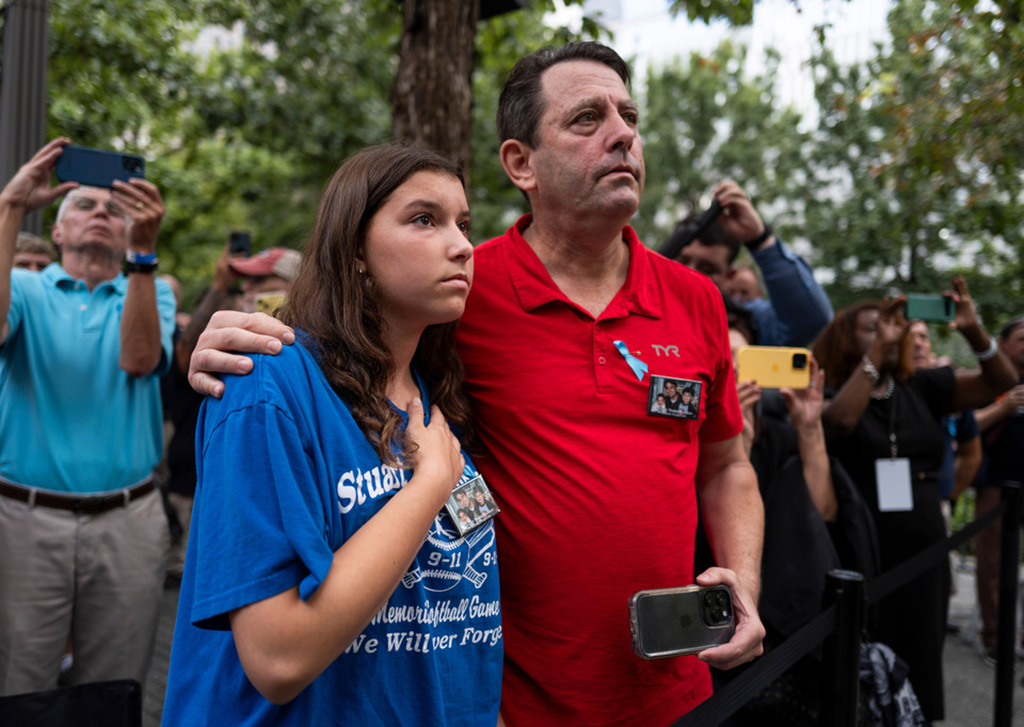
column 704, row 122
column 736, row 12
column 241, row 135
column 918, row 160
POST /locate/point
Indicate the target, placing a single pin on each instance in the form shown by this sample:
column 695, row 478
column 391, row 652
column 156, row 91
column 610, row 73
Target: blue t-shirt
column 285, row 477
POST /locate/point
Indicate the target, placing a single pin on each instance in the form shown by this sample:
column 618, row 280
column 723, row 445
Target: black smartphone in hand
column 240, row 244
column 97, row 167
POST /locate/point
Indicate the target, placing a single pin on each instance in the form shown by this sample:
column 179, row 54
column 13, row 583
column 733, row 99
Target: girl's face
column 418, row 255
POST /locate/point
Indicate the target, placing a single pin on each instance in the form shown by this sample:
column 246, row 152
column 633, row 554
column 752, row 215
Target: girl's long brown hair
column 340, row 309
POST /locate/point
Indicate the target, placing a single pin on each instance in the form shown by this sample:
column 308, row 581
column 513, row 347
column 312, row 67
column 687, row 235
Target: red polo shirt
column 596, row 493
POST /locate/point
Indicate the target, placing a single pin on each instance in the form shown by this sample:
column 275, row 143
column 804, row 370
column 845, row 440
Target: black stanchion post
column 841, row 678
column 1009, row 556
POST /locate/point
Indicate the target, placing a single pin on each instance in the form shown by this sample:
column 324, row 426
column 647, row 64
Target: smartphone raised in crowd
column 269, row 303
column 677, row 621
column 96, row 167
column 774, row 367
column 240, row 244
column 930, row 307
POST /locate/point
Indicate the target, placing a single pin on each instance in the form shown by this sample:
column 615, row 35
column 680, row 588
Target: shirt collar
column 534, row 286
column 56, row 275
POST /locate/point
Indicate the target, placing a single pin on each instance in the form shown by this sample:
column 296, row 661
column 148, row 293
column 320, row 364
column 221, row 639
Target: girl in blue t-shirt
column 325, row 582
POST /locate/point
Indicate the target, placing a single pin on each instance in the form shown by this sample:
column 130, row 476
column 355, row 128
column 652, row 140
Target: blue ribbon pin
column 638, row 366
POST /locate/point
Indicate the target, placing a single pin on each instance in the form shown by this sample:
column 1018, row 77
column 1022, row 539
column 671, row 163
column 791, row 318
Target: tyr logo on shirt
column 356, row 487
column 665, row 350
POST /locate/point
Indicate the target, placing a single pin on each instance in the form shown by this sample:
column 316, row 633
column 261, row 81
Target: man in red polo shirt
column 598, row 492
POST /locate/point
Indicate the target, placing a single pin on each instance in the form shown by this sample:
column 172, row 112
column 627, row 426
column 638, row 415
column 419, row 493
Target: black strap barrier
column 727, row 701
column 883, row 585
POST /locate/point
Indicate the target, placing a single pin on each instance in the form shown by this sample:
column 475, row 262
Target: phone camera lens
column 799, row 360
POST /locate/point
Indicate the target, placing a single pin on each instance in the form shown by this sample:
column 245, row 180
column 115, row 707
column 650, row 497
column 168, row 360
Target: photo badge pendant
column 471, row 505
column 668, row 396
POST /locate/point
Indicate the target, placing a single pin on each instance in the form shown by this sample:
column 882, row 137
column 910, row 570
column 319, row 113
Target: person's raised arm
column 841, row 414
column 978, row 388
column 1000, row 408
column 966, row 464
column 283, row 642
column 140, row 319
column 734, row 521
column 749, row 394
column 233, row 331
column 797, row 307
column 804, row 407
column 27, row 191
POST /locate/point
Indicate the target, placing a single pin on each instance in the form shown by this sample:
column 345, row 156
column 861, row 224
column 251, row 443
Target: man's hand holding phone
column 739, row 219
column 747, row 641
column 30, row 188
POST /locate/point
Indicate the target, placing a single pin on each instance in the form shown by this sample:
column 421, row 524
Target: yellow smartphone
column 773, row 367
column 269, row 302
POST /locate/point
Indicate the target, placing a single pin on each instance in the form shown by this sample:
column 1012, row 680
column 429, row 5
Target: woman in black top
column 883, row 425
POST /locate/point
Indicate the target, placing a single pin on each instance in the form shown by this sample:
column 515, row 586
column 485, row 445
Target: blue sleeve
column 261, row 521
column 18, row 301
column 798, row 309
column 966, row 426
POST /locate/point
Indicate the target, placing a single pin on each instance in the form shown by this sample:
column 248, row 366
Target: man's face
column 670, row 390
column 92, row 223
column 742, row 285
column 921, row 345
column 1013, row 347
column 463, row 499
column 709, row 260
column 589, row 157
column 34, row 261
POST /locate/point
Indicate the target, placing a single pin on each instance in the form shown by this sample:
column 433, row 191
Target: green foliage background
column 911, row 173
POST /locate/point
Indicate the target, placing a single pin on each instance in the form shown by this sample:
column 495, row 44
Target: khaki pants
column 99, row 577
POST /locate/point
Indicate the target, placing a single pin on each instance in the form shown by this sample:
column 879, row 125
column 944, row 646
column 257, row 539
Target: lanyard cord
column 892, row 425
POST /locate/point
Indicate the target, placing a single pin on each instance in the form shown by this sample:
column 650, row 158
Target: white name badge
column 894, row 491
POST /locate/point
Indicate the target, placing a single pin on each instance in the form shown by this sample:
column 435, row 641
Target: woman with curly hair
column 883, row 424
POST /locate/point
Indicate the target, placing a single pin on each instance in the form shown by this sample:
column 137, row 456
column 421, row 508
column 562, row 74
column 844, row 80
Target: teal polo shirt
column 70, row 419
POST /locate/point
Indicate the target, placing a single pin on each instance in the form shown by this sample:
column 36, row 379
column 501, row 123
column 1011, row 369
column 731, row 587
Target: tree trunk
column 431, row 103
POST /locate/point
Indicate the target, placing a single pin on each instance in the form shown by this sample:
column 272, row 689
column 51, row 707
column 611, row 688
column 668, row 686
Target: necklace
column 889, row 388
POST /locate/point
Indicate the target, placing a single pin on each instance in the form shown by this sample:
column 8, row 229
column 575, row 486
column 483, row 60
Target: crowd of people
column 331, row 452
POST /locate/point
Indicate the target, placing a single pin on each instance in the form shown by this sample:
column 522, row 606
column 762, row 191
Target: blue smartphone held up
column 96, row 167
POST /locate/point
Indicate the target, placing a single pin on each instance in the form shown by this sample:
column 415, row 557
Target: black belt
column 84, row 505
